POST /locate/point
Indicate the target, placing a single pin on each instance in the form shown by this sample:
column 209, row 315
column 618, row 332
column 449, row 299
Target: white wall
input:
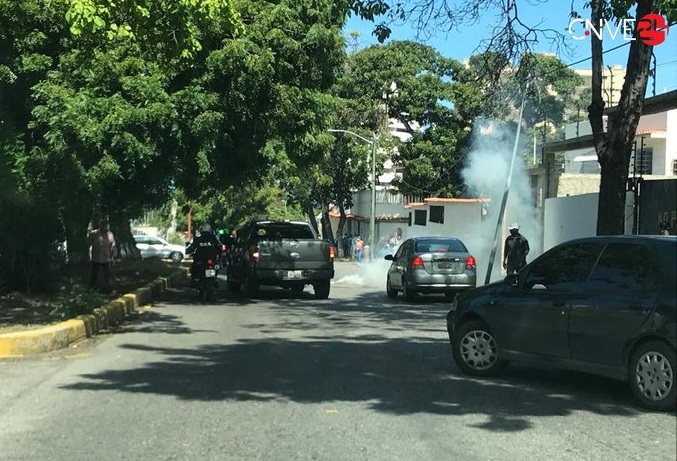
column 567, row 218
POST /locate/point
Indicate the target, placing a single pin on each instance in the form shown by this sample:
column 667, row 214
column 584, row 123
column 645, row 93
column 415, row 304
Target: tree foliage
column 110, row 107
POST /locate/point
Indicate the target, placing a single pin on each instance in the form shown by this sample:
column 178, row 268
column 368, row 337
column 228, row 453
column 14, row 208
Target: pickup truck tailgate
column 294, row 254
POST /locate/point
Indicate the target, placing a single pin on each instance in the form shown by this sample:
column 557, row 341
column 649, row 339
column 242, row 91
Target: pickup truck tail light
column 332, row 253
column 256, row 256
column 470, row 263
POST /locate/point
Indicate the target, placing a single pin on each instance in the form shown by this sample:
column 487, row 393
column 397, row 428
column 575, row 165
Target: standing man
column 515, row 250
column 102, row 244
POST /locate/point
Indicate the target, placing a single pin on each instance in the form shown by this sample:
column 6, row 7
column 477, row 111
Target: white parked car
column 156, row 247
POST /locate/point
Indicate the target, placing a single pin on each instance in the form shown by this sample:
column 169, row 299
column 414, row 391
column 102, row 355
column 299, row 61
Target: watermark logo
column 651, row 29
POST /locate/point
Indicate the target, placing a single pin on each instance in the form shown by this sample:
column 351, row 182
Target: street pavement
column 287, row 377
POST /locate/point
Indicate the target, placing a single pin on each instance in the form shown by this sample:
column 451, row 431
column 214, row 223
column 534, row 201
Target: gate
column 657, row 203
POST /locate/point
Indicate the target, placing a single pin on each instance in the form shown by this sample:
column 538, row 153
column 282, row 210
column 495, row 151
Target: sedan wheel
column 390, row 291
column 408, row 294
column 475, row 350
column 176, row 257
column 652, row 375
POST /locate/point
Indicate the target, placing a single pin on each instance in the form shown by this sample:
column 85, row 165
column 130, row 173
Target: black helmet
column 205, row 229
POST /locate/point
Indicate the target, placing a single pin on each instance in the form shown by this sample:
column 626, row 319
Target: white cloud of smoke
column 486, row 175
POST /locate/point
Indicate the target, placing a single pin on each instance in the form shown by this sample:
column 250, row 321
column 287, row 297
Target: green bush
column 74, row 299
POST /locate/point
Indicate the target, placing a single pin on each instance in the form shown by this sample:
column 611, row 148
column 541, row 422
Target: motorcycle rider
column 204, row 246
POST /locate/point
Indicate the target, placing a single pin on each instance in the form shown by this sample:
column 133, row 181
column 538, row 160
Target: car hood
column 481, row 291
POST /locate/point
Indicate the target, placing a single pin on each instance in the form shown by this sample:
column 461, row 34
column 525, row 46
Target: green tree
column 415, row 85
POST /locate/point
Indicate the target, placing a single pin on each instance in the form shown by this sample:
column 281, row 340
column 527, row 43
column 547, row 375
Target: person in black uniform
column 515, row 250
column 204, row 246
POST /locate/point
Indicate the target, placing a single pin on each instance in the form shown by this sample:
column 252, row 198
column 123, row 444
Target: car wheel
column 475, row 350
column 408, row 294
column 652, row 375
column 176, row 257
column 322, row 289
column 390, row 291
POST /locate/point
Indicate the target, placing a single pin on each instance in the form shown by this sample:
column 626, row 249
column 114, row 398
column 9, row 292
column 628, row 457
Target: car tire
column 390, row 291
column 408, row 294
column 475, row 350
column 322, row 289
column 176, row 257
column 651, row 374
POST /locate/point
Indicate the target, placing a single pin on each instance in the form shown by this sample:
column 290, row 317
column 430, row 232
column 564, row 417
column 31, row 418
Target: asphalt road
column 286, row 377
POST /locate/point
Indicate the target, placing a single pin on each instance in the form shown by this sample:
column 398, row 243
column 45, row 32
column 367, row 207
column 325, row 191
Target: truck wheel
column 251, row 286
column 321, row 289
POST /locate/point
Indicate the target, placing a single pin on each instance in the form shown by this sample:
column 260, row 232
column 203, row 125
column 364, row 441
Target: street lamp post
column 372, row 213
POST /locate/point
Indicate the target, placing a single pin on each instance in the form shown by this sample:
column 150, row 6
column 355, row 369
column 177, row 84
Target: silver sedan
column 430, row 265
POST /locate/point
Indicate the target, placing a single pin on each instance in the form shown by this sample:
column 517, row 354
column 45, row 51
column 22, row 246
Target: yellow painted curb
column 64, row 334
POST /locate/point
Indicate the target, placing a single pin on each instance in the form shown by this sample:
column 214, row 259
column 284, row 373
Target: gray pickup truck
column 288, row 254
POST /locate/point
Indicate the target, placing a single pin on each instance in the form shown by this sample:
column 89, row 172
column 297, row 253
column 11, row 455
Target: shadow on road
column 402, row 366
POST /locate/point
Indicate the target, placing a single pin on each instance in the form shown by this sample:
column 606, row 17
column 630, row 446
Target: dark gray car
column 430, row 265
column 604, row 305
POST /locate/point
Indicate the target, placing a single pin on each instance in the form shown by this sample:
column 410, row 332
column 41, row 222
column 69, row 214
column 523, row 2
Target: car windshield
column 440, row 246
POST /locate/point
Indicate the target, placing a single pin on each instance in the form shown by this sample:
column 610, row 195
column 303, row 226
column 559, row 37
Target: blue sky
column 554, row 14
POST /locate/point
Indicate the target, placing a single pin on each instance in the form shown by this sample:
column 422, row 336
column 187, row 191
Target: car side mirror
column 388, row 257
column 512, row 280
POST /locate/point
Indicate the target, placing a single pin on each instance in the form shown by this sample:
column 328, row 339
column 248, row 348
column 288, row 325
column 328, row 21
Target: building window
column 420, row 217
column 437, row 214
column 409, row 219
column 674, row 167
column 643, row 160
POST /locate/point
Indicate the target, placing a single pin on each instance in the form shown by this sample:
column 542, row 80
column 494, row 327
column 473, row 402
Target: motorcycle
column 206, row 278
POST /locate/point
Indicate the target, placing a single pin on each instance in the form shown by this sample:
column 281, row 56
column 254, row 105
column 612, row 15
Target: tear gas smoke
column 485, row 174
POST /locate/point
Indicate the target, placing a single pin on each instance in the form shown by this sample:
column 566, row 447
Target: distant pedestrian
column 664, row 228
column 359, row 248
column 102, row 244
column 515, row 250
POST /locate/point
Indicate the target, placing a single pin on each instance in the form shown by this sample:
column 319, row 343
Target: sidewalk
column 66, row 333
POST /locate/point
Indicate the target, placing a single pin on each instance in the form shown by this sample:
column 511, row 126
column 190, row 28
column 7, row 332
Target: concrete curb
column 64, row 334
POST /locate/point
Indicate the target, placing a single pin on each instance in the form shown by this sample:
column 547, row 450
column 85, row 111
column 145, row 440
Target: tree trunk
column 342, row 221
column 76, row 239
column 614, row 147
column 124, row 240
column 310, row 213
column 327, row 231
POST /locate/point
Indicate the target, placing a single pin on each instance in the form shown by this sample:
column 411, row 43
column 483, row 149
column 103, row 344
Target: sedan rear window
column 440, row 246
